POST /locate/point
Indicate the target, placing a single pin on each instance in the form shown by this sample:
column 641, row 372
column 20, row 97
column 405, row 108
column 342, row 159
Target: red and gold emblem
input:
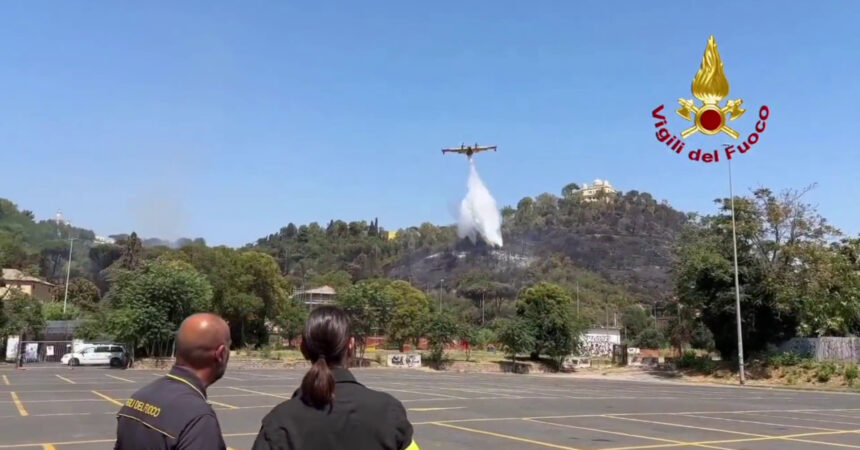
column 710, row 86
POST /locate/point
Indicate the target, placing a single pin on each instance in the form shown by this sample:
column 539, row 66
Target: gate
column 619, row 354
column 38, row 352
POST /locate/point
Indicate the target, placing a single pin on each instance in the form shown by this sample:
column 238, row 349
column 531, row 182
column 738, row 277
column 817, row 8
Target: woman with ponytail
column 331, row 410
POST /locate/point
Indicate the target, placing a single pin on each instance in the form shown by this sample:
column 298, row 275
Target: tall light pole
column 737, row 283
column 440, row 293
column 68, row 270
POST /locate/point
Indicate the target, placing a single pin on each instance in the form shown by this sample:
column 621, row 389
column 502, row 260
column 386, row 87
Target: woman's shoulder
column 283, row 409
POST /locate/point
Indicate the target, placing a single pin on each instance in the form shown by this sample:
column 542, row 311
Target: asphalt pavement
column 56, row 407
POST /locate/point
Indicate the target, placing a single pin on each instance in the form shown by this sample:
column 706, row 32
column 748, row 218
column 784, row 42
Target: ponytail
column 325, row 342
column 318, row 384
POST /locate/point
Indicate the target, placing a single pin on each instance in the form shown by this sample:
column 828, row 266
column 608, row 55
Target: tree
column 54, row 311
column 151, row 301
column 337, row 279
column 442, row 330
column 546, row 309
column 784, row 266
column 411, row 309
column 131, row 255
column 369, row 309
column 650, row 337
column 702, row 337
column 23, row 315
column 516, row 337
column 569, row 190
column 291, row 320
column 101, row 257
column 634, row 319
column 82, row 292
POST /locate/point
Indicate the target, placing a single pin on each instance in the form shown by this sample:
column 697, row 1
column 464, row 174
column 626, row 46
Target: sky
column 228, row 120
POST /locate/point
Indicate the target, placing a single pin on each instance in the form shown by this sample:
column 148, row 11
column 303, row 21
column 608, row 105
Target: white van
column 96, row 354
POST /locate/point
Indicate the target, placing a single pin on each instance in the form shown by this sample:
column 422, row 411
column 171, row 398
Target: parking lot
column 63, row 408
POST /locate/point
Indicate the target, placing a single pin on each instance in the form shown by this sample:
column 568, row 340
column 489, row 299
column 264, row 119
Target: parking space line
column 232, row 378
column 787, row 437
column 112, row 400
column 65, row 379
column 649, row 438
column 258, row 392
column 222, row 404
column 803, row 419
column 504, row 436
column 760, row 423
column 5, row 380
column 741, row 433
column 436, row 409
column 419, row 392
column 19, row 405
column 844, row 416
column 95, row 441
column 120, row 378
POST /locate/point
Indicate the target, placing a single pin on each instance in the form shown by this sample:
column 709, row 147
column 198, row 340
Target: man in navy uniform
column 172, row 412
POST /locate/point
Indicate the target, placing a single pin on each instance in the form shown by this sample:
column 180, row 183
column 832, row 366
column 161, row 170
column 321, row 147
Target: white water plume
column 478, row 212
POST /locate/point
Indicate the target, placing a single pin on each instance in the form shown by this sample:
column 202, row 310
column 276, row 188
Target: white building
column 591, row 193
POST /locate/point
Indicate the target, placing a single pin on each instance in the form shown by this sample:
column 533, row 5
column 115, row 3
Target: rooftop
column 17, row 275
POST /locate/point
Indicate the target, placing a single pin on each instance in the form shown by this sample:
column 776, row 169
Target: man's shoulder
column 174, row 396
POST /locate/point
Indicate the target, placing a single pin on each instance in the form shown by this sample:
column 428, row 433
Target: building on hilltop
column 15, row 279
column 601, row 189
column 104, row 240
column 324, row 295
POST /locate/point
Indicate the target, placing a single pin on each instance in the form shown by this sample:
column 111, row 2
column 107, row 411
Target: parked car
column 98, row 354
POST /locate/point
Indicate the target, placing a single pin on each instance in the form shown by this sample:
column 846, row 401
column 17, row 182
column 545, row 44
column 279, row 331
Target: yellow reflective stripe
column 146, row 425
column 412, row 446
column 170, row 375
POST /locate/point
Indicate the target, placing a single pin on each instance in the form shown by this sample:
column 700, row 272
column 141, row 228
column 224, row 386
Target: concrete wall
column 825, row 348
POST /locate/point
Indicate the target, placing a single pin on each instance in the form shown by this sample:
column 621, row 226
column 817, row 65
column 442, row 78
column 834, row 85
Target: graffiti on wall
column 599, row 344
column 404, row 360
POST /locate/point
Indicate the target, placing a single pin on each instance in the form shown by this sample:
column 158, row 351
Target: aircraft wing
column 482, row 149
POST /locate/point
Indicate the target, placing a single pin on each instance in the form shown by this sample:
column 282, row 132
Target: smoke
column 478, row 212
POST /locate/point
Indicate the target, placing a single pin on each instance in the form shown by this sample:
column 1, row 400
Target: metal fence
column 825, row 348
column 35, row 352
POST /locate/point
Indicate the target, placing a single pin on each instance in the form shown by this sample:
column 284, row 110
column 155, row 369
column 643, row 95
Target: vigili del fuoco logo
column 710, row 86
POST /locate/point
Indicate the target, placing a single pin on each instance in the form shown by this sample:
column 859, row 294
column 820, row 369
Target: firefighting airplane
column 469, row 150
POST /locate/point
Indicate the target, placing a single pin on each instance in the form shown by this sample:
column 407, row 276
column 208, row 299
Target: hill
column 614, row 248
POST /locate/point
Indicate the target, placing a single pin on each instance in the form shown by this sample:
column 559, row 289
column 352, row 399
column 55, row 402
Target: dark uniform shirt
column 359, row 419
column 169, row 413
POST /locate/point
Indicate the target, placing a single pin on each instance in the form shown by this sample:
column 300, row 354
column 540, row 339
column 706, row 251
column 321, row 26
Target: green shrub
column 850, row 373
column 266, row 351
column 380, row 359
column 687, row 360
column 825, row 371
column 785, row 359
column 703, row 364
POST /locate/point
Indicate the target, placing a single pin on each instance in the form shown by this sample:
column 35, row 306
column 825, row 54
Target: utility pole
column 737, row 283
column 482, row 307
column 577, row 299
column 442, row 281
column 68, row 270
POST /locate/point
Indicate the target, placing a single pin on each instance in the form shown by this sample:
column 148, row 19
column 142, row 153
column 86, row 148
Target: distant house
column 36, row 287
column 593, row 193
column 324, row 295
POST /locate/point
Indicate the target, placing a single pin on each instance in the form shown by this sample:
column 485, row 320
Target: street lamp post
column 442, row 281
column 68, row 271
column 737, row 283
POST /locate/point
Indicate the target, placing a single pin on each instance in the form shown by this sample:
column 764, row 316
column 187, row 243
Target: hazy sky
column 228, row 121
